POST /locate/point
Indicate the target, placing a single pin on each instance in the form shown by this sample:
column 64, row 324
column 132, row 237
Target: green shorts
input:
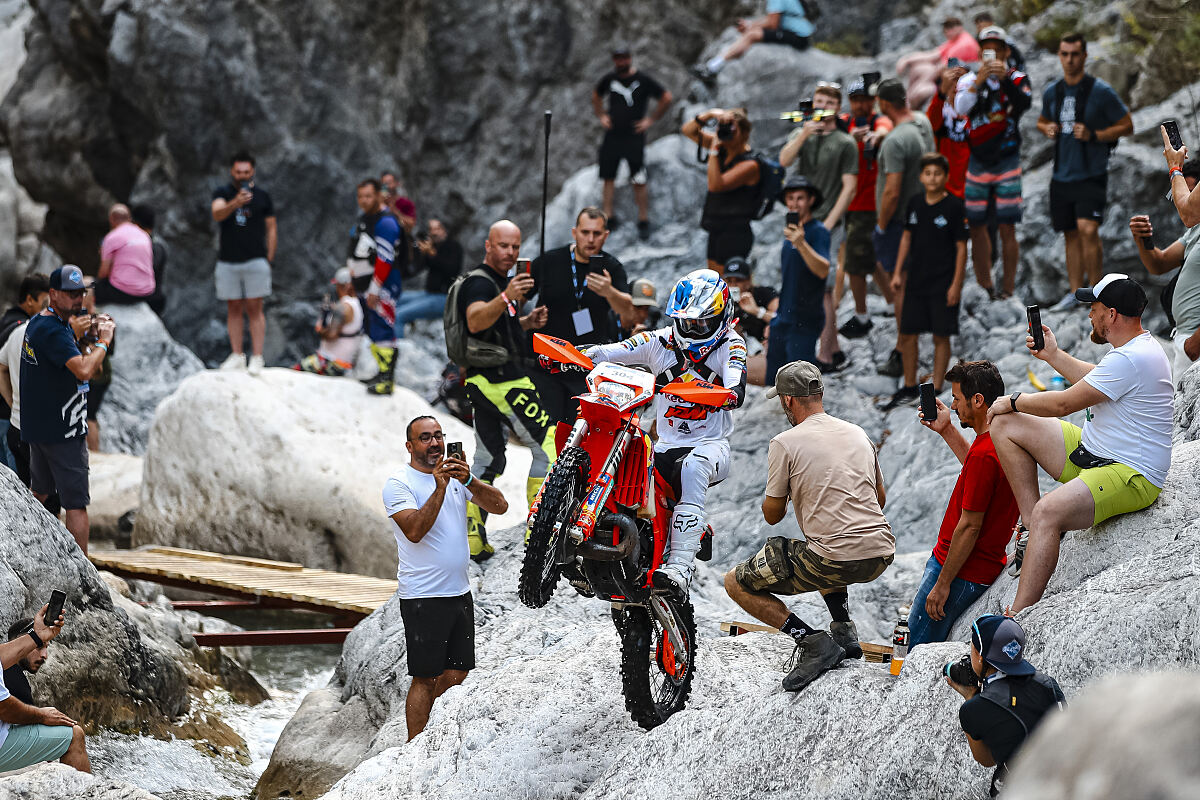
column 789, row 566
column 1116, row 489
column 27, row 745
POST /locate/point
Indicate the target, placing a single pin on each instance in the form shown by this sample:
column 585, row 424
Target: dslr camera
column 805, row 112
column 961, row 672
column 725, row 131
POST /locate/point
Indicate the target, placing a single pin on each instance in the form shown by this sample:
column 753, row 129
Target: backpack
column 462, row 347
column 812, row 11
column 1167, row 297
column 770, row 183
column 1081, row 98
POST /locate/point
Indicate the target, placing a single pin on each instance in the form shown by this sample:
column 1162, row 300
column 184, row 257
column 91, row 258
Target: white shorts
column 243, row 280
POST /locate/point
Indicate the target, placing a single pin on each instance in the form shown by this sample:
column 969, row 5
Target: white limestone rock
column 56, row 781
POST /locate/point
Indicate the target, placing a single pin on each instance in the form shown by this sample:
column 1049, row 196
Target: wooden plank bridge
column 253, row 583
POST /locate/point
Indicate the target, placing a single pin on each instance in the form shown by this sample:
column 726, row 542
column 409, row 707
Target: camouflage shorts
column 788, row 566
column 860, row 248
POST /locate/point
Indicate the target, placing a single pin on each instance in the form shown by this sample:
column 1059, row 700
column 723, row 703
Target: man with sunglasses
column 1118, row 461
column 426, row 501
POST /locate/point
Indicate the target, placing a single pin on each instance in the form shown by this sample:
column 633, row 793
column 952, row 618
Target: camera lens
column 725, row 131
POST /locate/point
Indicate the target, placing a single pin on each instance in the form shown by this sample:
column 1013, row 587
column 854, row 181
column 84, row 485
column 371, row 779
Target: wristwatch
column 1012, row 400
column 762, row 313
column 37, row 640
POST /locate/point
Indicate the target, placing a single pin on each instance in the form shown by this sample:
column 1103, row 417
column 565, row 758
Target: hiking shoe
column 705, row 75
column 235, row 363
column 1018, row 556
column 846, row 636
column 814, row 654
column 613, row 223
column 854, row 329
column 905, row 395
column 1068, row 302
column 644, row 230
column 673, row 580
column 256, row 365
column 893, row 367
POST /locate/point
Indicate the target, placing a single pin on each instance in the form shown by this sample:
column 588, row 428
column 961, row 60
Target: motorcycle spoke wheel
column 561, row 498
column 656, row 677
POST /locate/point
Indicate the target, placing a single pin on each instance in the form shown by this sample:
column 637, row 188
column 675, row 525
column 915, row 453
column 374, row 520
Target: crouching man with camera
column 1007, row 698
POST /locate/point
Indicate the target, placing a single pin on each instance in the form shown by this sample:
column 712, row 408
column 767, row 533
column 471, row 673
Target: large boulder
column 56, row 781
column 288, row 466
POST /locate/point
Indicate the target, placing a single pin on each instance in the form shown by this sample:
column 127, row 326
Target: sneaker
column 905, row 395
column 1018, row 556
column 673, row 580
column 613, row 223
column 235, row 363
column 1066, row 304
column 815, row 654
column 256, row 365
column 704, row 74
column 644, row 230
column 893, row 367
column 846, row 636
column 855, row 329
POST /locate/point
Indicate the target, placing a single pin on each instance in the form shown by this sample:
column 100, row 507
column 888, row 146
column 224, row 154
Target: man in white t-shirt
column 427, row 503
column 1118, row 461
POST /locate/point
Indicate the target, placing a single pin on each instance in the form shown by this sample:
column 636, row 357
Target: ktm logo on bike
column 695, row 412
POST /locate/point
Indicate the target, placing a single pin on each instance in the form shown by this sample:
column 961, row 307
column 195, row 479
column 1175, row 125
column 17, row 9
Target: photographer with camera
column 1006, row 697
column 341, row 330
column 733, row 177
column 442, row 258
column 54, row 387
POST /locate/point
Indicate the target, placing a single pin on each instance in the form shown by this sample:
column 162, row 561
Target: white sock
column 863, row 318
column 714, row 64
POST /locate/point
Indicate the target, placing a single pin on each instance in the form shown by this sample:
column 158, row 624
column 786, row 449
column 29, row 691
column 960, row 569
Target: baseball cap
column 621, row 49
column 1001, row 642
column 1117, row 291
column 858, row 89
column 643, row 293
column 800, row 182
column 342, row 276
column 993, row 33
column 738, row 267
column 67, row 278
column 893, row 91
column 797, row 379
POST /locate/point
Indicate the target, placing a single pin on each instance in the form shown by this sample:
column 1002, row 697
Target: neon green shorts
column 1116, row 489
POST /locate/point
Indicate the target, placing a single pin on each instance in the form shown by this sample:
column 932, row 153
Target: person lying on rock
column 1006, row 697
column 786, row 22
column 426, row 501
column 30, row 735
column 829, row 470
column 1118, row 461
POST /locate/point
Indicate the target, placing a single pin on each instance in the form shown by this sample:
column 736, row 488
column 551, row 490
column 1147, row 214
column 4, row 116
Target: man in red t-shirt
column 979, row 521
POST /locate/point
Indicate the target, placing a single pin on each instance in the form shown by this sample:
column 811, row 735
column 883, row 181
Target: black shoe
column 815, row 654
column 704, row 75
column 893, row 367
column 644, row 229
column 846, row 636
column 839, row 360
column 855, row 329
column 825, row 367
column 613, row 223
column 904, row 396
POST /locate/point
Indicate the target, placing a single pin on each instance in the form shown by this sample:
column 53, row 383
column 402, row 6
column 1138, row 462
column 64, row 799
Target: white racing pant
column 702, row 467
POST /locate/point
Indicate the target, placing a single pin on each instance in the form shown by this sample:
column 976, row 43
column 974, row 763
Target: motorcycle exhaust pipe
column 607, row 552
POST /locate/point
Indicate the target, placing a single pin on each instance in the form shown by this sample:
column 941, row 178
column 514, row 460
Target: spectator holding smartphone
column 427, row 504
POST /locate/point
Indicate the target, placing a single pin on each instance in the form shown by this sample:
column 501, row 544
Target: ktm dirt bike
column 602, row 520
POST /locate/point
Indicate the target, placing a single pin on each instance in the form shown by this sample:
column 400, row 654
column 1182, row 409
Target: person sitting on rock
column 126, row 261
column 30, row 735
column 829, row 470
column 1006, row 697
column 1118, row 461
column 426, row 501
column 340, row 328
column 786, row 22
column 969, row 554
column 14, row 676
column 922, row 67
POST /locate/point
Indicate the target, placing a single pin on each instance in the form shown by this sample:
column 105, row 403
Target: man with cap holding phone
column 645, row 315
column 1008, row 697
column 829, row 469
column 1118, row 461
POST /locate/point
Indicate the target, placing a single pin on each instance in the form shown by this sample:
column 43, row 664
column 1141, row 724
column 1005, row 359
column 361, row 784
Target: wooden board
column 279, row 580
column 875, row 653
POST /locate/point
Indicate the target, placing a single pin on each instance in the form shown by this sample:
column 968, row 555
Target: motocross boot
column 384, row 382
column 532, row 487
column 687, row 528
column 477, row 535
column 846, row 635
column 815, row 654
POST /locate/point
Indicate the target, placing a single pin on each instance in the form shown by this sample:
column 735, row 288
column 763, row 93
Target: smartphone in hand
column 454, row 450
column 1172, row 128
column 524, row 266
column 1035, row 326
column 793, row 218
column 58, row 599
column 928, row 402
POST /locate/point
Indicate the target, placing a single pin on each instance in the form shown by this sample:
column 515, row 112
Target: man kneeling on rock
column 829, row 469
column 1118, row 461
column 427, row 503
column 30, row 735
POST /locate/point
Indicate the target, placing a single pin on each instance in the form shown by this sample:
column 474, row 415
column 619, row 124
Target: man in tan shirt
column 829, row 470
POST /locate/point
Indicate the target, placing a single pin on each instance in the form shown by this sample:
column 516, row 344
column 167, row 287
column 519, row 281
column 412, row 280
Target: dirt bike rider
column 693, row 441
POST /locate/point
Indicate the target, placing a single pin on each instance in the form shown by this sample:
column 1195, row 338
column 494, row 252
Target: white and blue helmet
column 700, row 312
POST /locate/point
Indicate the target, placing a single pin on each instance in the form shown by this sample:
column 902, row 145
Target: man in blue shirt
column 1085, row 118
column 785, row 23
column 54, row 385
column 805, row 265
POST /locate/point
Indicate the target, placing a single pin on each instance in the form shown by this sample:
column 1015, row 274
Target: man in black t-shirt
column 14, row 676
column 246, row 217
column 580, row 285
column 442, row 257
column 1006, row 697
column 625, row 123
column 503, row 397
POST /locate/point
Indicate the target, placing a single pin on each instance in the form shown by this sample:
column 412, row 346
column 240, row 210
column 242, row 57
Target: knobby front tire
column 561, row 498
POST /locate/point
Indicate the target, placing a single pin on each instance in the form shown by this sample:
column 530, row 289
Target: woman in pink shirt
column 924, row 67
column 126, row 261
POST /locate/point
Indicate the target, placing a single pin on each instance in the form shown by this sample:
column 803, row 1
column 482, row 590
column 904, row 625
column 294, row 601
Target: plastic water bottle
column 900, row 642
column 1057, row 383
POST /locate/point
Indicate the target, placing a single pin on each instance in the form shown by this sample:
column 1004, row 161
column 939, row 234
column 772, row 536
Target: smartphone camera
column 455, row 450
column 524, row 266
column 792, row 218
column 928, row 402
column 1035, row 327
column 1172, row 128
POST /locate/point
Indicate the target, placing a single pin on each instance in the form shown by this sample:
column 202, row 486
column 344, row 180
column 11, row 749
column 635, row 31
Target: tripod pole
column 545, row 179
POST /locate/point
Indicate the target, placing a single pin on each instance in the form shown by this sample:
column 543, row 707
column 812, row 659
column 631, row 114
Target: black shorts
column 726, row 240
column 783, row 36
column 95, row 399
column 440, row 632
column 1084, row 199
column 925, row 311
column 618, row 147
column 61, row 467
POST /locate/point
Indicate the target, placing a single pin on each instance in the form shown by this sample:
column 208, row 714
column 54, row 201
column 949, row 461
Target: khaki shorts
column 860, row 250
column 1116, row 489
column 788, row 566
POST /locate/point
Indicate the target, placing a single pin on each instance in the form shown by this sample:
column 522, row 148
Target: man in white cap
column 341, row 330
column 1118, row 461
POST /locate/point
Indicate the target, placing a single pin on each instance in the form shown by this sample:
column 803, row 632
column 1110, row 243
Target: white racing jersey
column 683, row 424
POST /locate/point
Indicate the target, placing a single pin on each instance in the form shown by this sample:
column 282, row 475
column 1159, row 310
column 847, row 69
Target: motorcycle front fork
column 666, row 619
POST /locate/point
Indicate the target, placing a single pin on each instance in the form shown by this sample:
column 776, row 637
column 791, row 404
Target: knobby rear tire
column 561, row 496
column 652, row 695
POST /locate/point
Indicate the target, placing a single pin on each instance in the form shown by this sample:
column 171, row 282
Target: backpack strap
column 682, row 365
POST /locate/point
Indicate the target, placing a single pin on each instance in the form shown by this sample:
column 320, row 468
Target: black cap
column 1001, row 642
column 892, row 90
column 858, row 89
column 1118, row 292
column 67, row 278
column 621, row 49
column 800, row 182
column 738, row 267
